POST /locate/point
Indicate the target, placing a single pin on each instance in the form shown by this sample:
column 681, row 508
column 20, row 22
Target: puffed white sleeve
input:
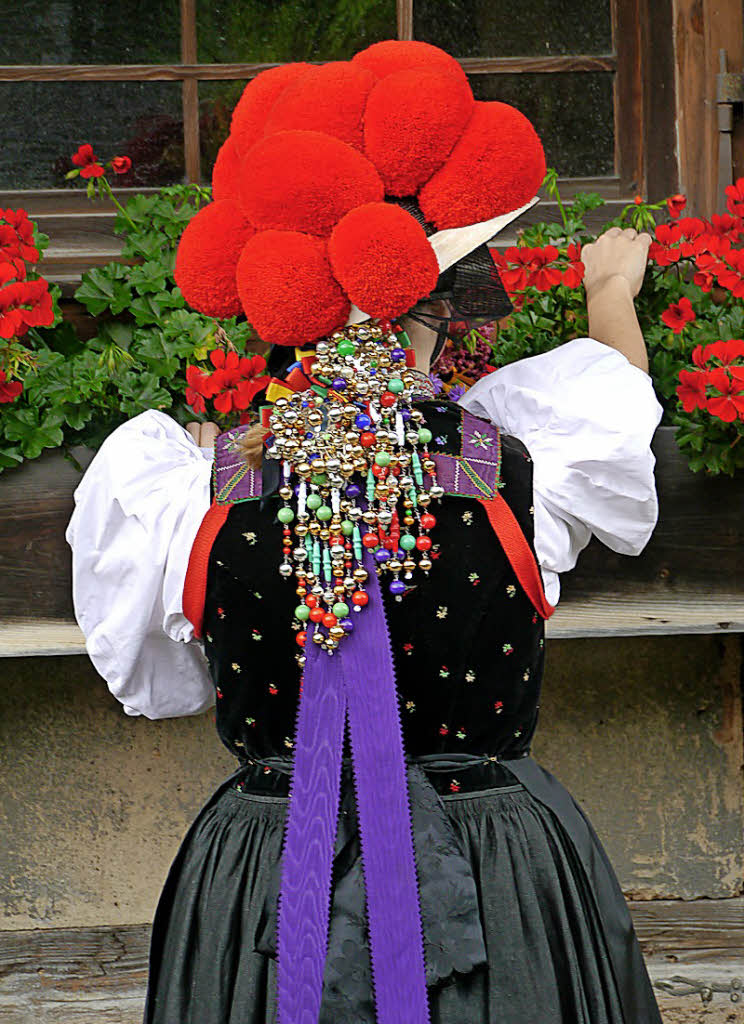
column 587, row 416
column 137, row 512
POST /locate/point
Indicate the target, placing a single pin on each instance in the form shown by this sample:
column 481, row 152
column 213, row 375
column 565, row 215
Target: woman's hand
column 614, row 268
column 616, row 254
column 203, row 433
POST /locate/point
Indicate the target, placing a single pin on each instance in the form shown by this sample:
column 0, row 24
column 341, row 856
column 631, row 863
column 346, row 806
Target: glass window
column 513, row 28
column 81, row 32
column 572, row 114
column 141, row 120
column 242, row 31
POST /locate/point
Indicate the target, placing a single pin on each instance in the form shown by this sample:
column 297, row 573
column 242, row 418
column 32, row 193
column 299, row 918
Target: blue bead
column 339, row 384
column 397, row 354
column 406, row 414
column 348, row 625
column 382, row 555
column 397, row 587
column 362, row 421
column 353, row 491
column 400, row 553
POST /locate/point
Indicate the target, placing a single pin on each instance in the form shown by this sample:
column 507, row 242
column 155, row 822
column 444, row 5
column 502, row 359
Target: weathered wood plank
column 99, row 975
column 211, row 72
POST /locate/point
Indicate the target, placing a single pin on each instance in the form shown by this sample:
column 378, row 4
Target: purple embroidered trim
column 360, row 677
column 233, row 480
column 474, row 473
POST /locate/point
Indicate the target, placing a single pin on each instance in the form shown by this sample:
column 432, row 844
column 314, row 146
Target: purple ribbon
column 358, row 680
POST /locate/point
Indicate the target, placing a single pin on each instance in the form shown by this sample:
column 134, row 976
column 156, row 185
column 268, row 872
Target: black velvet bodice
column 467, row 643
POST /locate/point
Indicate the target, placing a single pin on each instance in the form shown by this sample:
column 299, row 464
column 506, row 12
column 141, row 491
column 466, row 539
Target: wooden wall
column 701, row 29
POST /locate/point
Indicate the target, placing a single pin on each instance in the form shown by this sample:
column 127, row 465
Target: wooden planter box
column 690, row 578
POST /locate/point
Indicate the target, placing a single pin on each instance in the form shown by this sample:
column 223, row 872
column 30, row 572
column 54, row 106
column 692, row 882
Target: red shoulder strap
column 195, row 584
column 518, row 551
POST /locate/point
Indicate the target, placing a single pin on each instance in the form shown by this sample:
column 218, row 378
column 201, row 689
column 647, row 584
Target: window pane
column 243, row 31
column 141, row 120
column 216, row 102
column 572, row 114
column 81, row 32
column 514, row 28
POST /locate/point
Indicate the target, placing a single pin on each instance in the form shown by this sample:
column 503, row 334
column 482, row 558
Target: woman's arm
column 615, row 266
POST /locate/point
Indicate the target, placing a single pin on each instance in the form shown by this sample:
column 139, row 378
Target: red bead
column 389, row 543
column 370, row 540
column 311, row 601
column 396, row 470
column 329, row 619
column 366, row 439
column 423, row 543
column 381, row 471
column 385, row 325
column 301, row 637
column 428, row 521
column 387, row 398
column 316, row 614
column 359, row 597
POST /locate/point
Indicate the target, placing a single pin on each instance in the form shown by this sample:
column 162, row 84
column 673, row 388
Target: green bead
column 324, row 512
column 382, row 459
column 340, row 609
column 314, row 501
column 396, row 385
column 407, row 542
column 302, row 612
column 424, row 435
column 285, row 515
column 319, row 478
column 345, row 348
column 403, row 340
column 347, row 527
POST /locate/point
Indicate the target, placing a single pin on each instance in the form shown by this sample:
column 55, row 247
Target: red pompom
column 259, row 96
column 329, row 99
column 393, row 55
column 382, row 258
column 305, row 181
column 207, row 256
column 412, row 121
column 287, row 289
column 497, row 166
column 226, row 172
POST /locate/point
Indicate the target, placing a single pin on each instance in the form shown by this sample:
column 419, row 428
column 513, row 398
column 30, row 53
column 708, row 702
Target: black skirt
column 559, row 944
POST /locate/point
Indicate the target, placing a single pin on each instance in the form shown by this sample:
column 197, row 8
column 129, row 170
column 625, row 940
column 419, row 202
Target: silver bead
column 285, row 569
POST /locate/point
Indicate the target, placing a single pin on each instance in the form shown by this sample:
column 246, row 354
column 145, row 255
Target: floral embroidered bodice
column 467, row 642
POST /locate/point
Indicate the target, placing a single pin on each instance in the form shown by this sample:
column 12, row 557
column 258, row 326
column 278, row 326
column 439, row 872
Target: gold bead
column 303, row 469
column 314, row 527
column 301, row 591
column 429, row 465
column 325, row 533
column 425, row 564
column 337, row 632
column 360, row 575
column 408, row 564
column 285, row 492
column 301, row 530
column 394, row 565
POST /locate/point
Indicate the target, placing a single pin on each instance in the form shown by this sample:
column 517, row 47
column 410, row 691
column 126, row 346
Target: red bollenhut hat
column 300, row 237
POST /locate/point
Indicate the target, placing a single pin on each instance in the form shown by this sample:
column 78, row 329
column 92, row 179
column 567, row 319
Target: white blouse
column 584, row 412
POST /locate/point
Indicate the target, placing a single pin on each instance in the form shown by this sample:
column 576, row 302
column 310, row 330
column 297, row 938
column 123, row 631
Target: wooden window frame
column 632, row 23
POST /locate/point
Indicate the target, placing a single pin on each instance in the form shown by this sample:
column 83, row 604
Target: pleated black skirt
column 547, row 951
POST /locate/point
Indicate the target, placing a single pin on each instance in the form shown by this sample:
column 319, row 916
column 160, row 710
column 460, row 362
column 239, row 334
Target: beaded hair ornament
column 353, row 466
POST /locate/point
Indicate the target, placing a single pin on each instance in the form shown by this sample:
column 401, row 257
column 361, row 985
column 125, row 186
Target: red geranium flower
column 573, row 275
column 17, row 236
column 544, row 277
column 730, row 403
column 9, row 389
column 236, row 379
column 23, row 304
column 678, row 314
column 200, row 386
column 691, row 389
column 735, row 198
column 725, row 351
column 121, row 164
column 730, row 273
column 675, row 205
column 515, row 278
column 88, row 163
